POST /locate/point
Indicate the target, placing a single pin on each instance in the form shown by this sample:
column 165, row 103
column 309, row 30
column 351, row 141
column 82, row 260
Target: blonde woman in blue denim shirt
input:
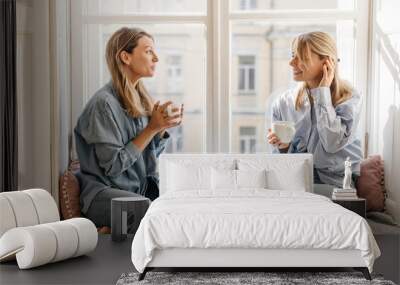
column 121, row 131
column 325, row 110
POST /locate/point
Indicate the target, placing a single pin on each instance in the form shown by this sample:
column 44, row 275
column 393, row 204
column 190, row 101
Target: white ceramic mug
column 171, row 113
column 284, row 130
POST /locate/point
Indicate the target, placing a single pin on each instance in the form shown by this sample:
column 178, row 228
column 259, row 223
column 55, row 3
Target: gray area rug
column 229, row 278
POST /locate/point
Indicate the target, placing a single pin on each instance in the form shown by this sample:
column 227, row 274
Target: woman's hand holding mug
column 281, row 134
column 161, row 120
column 275, row 141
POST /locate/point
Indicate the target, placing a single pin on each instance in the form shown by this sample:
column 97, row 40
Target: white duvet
column 251, row 218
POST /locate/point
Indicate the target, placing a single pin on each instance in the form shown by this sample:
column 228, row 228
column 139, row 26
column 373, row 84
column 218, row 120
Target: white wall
column 33, row 94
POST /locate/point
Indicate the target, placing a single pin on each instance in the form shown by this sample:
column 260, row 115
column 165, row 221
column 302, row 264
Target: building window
column 248, row 4
column 247, row 139
column 174, row 74
column 247, row 72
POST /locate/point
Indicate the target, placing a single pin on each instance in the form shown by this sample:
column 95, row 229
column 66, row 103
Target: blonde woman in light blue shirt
column 325, row 110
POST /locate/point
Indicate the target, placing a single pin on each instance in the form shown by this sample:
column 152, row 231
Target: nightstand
column 357, row 205
column 126, row 214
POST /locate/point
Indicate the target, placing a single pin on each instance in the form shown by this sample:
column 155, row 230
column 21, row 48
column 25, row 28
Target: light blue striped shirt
column 328, row 132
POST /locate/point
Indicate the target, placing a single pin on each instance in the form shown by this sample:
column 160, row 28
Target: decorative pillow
column 223, row 179
column 69, row 195
column 370, row 184
column 188, row 177
column 251, row 178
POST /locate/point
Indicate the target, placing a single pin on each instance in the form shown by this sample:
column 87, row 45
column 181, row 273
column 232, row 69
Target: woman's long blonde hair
column 323, row 45
column 135, row 99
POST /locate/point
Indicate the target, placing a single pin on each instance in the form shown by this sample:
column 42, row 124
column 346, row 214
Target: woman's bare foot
column 104, row 230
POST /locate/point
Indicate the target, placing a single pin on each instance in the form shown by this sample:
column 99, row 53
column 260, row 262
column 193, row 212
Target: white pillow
column 183, row 177
column 251, row 178
column 281, row 174
column 291, row 178
column 223, row 179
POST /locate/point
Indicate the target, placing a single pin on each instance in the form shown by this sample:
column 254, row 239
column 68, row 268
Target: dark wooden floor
column 111, row 259
column 102, row 266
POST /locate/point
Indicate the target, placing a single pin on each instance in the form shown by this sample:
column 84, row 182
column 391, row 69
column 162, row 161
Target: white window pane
column 188, row 43
column 385, row 122
column 175, row 80
column 271, row 46
column 238, row 5
column 175, row 143
column 126, row 7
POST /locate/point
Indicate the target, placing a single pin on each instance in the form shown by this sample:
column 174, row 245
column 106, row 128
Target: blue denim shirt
column 328, row 132
column 108, row 158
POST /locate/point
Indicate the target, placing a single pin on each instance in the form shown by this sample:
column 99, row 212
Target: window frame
column 218, row 22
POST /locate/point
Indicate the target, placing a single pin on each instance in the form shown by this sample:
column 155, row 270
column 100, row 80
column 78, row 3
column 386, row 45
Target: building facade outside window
column 247, row 139
column 174, row 74
column 248, row 4
column 176, row 142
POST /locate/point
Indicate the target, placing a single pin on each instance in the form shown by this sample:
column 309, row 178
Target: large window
column 272, row 41
column 226, row 60
column 181, row 46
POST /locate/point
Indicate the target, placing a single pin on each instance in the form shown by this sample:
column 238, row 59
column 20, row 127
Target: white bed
column 202, row 220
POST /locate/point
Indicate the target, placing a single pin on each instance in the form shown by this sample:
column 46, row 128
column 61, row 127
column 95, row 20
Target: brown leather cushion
column 69, row 195
column 370, row 184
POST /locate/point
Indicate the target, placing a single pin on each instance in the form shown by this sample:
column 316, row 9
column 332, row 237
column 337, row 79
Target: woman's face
column 143, row 59
column 309, row 71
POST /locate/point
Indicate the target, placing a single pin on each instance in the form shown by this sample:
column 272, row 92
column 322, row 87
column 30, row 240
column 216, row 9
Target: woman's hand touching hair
column 328, row 72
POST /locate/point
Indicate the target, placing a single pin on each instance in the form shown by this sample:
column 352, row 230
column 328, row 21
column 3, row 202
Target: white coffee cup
column 170, row 112
column 284, row 130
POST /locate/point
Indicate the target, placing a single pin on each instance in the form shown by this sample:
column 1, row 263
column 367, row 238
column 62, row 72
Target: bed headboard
column 266, row 160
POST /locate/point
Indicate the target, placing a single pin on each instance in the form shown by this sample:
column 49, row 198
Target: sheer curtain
column 384, row 130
